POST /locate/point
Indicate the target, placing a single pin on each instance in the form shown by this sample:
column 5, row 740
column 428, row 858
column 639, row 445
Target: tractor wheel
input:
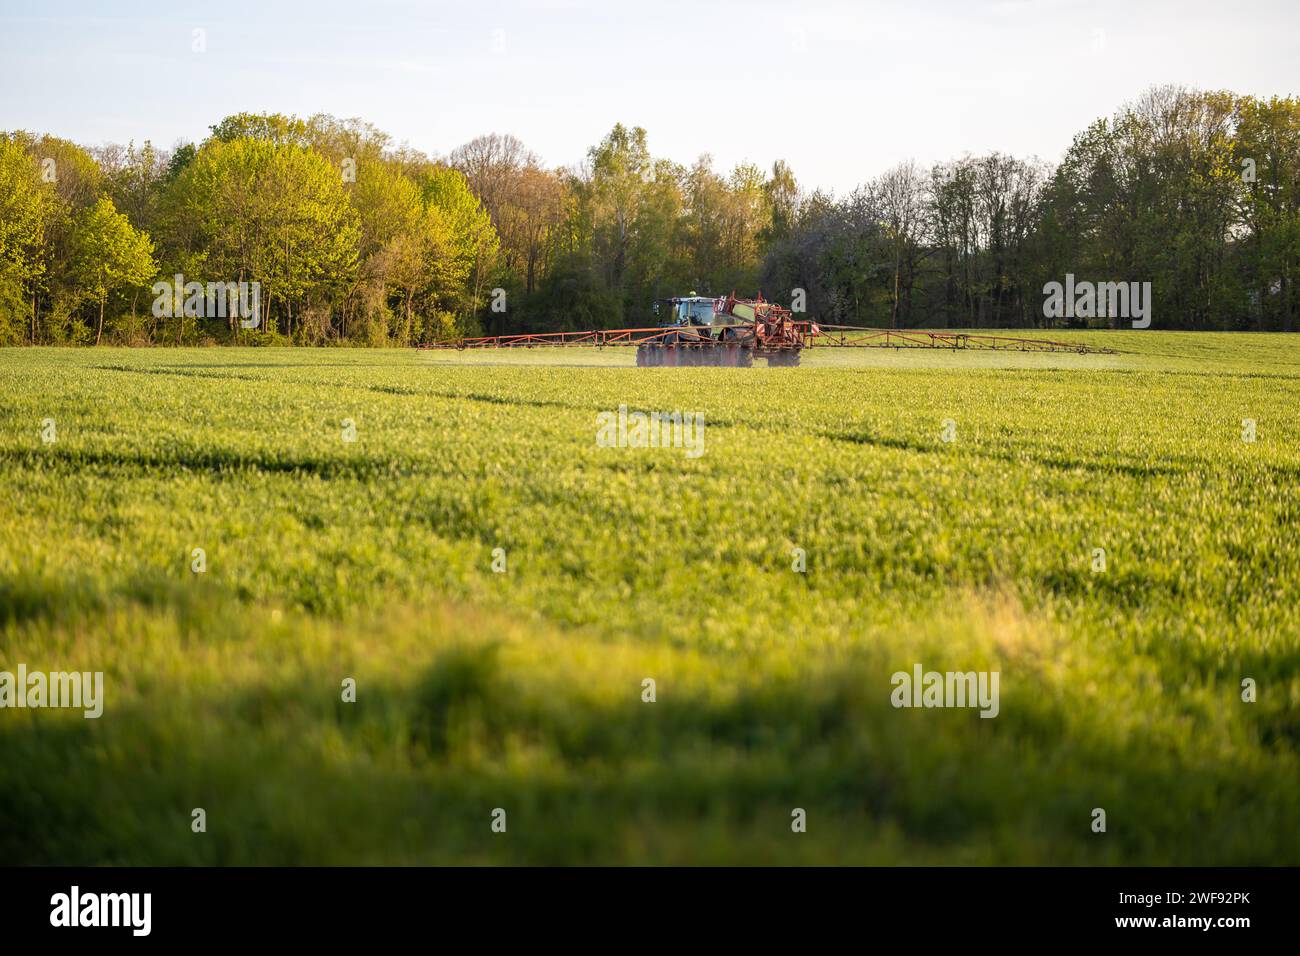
column 642, row 359
column 745, row 358
column 784, row 358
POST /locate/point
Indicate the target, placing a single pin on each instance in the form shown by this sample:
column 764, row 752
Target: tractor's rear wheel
column 783, row 358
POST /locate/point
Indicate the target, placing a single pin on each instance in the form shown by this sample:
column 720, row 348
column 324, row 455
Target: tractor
column 699, row 330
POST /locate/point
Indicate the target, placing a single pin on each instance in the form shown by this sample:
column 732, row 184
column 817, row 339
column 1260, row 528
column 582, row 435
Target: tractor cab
column 686, row 310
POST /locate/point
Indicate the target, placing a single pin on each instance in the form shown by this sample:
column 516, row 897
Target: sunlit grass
column 372, row 559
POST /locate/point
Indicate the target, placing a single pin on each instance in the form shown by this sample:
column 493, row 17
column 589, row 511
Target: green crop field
column 951, row 510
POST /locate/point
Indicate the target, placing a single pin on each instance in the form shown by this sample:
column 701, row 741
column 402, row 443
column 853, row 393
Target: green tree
column 109, row 254
column 621, row 169
column 274, row 128
column 460, row 231
column 1267, row 157
column 783, row 199
column 26, row 208
column 254, row 210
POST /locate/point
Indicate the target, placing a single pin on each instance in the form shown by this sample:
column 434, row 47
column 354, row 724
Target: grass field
column 373, row 559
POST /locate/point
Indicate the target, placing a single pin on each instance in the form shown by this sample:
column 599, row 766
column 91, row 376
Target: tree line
column 353, row 239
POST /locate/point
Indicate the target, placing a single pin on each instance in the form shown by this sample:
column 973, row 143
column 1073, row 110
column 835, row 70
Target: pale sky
column 841, row 91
